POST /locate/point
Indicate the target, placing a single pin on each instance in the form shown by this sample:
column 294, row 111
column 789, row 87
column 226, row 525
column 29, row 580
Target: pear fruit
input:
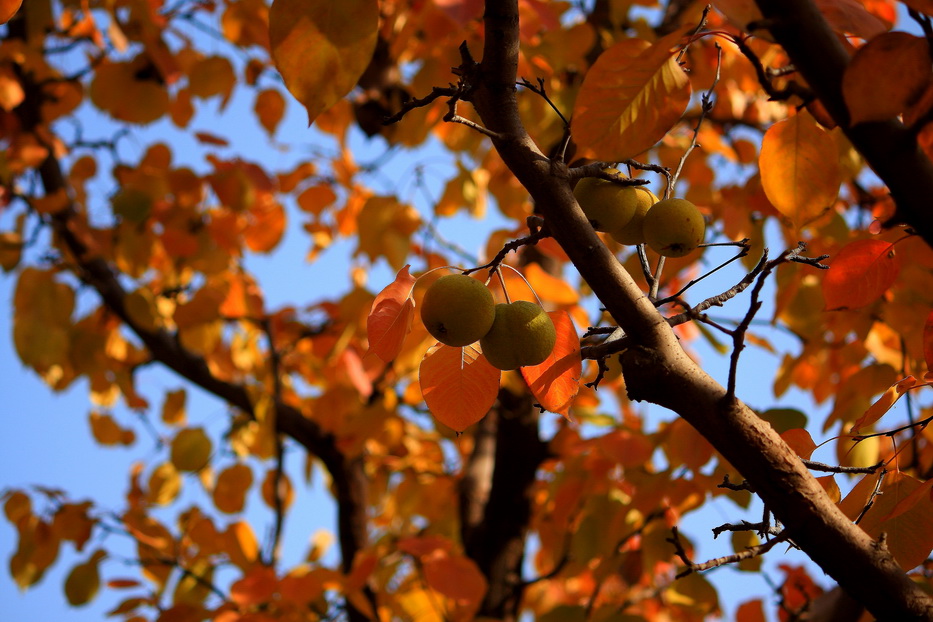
column 633, row 233
column 521, row 335
column 608, row 205
column 457, row 310
column 674, row 227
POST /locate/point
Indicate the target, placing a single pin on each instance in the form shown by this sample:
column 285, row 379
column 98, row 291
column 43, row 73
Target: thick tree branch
column 889, row 147
column 657, row 364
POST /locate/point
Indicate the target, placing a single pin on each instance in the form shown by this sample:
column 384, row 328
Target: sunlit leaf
column 83, row 581
column 894, row 63
column 800, row 441
column 550, row 288
column 459, row 386
column 269, row 109
column 212, row 76
column 164, row 484
column 799, row 166
column 631, row 97
column 851, row 17
column 271, row 483
column 884, row 403
column 556, row 381
column 265, row 225
column 8, row 9
column 859, row 274
column 457, row 578
column 191, row 449
column 390, row 318
column 315, row 198
column 750, row 611
column 231, row 487
column 173, row 408
column 129, row 91
column 322, row 48
column 255, row 588
column 385, row 226
column 106, row 431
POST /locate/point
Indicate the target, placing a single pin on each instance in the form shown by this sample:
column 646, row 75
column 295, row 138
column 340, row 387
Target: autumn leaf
column 8, row 9
column 191, row 449
column 556, row 381
column 256, row 587
column 894, row 63
column 83, row 581
column 231, row 487
column 859, row 274
column 459, row 386
column 884, row 403
column 322, row 48
column 455, row 577
column 800, row 441
column 631, row 97
column 269, row 109
column 799, row 168
column 385, row 226
column 928, row 341
column 390, row 318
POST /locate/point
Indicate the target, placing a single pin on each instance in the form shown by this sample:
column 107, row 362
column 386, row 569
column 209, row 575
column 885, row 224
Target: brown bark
column 657, row 363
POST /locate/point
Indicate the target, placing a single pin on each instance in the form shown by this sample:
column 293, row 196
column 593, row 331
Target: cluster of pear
column 459, row 310
column 634, row 215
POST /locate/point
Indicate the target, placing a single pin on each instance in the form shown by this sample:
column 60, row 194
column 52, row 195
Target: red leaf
column 555, row 382
column 459, row 386
column 860, row 274
column 211, row 139
column 456, row 577
column 884, row 403
column 390, row 318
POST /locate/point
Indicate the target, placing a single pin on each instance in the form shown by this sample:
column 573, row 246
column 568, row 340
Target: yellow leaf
column 242, row 546
column 385, row 228
column 212, row 76
column 631, row 97
column 800, row 171
column 173, row 409
column 232, row 485
column 191, row 449
column 322, row 48
column 164, row 484
column 11, row 91
column 83, row 582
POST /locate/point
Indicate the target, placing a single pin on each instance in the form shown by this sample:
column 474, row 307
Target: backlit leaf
column 285, row 490
column 928, row 341
column 924, row 6
column 322, row 48
column 750, row 611
column 241, row 544
column 457, row 578
column 390, row 318
column 83, row 581
column 191, row 449
column 265, row 225
column 800, row 441
column 385, row 226
column 859, row 274
column 851, row 17
column 173, row 408
column 884, row 403
column 8, row 9
column 232, row 485
column 164, row 484
column 632, row 95
column 894, row 63
column 269, row 109
column 549, row 287
column 556, row 381
column 904, row 512
column 459, row 386
column 212, row 76
column 799, row 165
column 255, row 588
column 129, row 91
column 106, row 431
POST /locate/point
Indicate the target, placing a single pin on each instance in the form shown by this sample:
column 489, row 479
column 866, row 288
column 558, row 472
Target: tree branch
column 656, row 363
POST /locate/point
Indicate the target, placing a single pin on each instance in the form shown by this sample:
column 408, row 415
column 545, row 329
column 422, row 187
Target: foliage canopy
column 766, row 115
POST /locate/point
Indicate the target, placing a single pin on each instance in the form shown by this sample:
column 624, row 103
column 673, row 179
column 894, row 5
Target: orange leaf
column 828, row 482
column 884, row 403
column 458, row 385
column 894, row 63
column 266, row 225
column 850, row 17
column 928, row 341
column 904, row 511
column 751, row 611
column 8, row 9
column 457, row 578
column 799, row 168
column 232, row 485
column 255, row 588
column 269, row 109
column 924, row 6
column 550, row 287
column 322, row 48
column 211, row 139
column 555, row 382
column 316, row 198
column 800, row 441
column 390, row 318
column 632, row 95
column 859, row 274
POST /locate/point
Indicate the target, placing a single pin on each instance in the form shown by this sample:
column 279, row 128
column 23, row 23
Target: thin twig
column 872, row 496
column 829, row 468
